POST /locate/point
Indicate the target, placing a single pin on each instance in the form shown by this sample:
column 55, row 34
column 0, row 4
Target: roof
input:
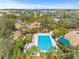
column 37, row 58
column 73, row 37
column 33, row 25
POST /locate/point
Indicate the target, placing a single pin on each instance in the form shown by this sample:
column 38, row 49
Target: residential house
column 34, row 25
column 71, row 38
column 19, row 24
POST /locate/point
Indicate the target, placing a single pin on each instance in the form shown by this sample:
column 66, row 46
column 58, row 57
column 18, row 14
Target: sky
column 39, row 4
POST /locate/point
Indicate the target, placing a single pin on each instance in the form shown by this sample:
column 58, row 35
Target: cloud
column 18, row 5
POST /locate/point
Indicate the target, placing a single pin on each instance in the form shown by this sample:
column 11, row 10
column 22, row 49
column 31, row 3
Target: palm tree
column 16, row 51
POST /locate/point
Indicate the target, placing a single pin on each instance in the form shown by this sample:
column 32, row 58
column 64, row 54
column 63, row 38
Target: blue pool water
column 44, row 42
column 63, row 41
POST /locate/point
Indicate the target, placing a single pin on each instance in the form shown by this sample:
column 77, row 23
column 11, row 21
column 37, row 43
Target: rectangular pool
column 44, row 42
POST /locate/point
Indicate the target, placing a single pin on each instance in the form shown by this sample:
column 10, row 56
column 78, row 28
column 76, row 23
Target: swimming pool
column 44, row 42
column 63, row 41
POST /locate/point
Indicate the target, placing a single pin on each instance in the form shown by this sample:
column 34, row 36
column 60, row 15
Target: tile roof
column 73, row 37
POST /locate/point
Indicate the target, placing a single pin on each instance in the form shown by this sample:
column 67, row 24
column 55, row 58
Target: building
column 34, row 25
column 71, row 38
